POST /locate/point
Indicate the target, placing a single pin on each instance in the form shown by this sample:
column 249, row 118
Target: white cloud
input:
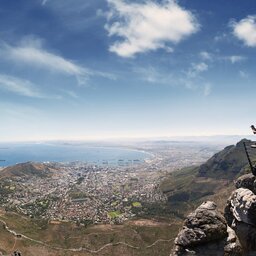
column 196, row 69
column 148, row 26
column 245, row 30
column 31, row 52
column 19, row 86
column 190, row 80
column 205, row 55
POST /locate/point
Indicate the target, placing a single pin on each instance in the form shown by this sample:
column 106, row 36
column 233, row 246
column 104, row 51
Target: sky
column 91, row 69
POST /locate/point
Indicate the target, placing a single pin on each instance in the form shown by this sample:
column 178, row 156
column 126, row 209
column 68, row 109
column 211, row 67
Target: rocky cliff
column 227, row 163
column 207, row 231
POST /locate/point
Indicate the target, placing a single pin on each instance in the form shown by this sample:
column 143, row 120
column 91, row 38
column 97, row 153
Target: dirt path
column 80, row 249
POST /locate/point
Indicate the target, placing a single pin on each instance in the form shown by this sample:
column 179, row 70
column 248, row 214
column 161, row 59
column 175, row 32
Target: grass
column 114, row 214
column 136, row 204
column 68, row 235
column 186, row 190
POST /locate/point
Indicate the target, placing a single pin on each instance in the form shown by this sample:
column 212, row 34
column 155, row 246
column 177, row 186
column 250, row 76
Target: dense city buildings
column 91, row 194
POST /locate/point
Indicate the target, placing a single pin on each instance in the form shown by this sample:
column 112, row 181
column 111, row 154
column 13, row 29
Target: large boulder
column 232, row 246
column 241, row 206
column 240, row 213
column 204, row 230
column 246, row 181
column 247, row 236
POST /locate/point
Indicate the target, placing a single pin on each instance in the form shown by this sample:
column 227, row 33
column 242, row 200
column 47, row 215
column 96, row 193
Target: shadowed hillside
column 225, row 164
column 188, row 187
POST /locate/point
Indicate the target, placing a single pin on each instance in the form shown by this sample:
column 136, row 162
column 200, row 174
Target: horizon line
column 125, row 138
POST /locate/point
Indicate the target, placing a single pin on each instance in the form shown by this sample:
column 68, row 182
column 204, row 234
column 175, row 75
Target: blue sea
column 14, row 153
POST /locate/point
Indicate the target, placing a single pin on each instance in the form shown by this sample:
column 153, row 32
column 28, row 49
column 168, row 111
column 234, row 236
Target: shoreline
column 118, row 161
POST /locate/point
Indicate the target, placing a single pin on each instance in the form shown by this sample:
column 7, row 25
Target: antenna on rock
column 253, row 168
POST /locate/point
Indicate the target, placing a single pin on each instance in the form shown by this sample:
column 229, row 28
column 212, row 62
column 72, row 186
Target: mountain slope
column 26, row 170
column 188, row 187
column 225, row 164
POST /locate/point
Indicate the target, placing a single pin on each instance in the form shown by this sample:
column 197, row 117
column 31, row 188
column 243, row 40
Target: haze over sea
column 14, row 153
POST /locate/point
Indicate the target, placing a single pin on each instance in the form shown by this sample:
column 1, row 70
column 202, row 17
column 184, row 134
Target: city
column 91, row 194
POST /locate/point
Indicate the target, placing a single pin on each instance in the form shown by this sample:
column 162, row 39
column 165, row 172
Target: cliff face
column 204, row 230
column 225, row 164
column 240, row 213
column 209, row 232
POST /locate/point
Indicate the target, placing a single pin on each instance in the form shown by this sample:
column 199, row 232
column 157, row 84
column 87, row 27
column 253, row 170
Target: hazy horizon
column 112, row 140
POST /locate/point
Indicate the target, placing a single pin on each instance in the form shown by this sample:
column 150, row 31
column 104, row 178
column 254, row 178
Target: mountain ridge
column 26, row 170
column 213, row 180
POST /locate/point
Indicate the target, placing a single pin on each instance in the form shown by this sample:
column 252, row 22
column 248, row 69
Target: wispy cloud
column 235, row 58
column 211, row 57
column 206, row 55
column 245, row 30
column 189, row 79
column 70, row 93
column 148, row 26
column 31, row 52
column 153, row 76
column 196, row 69
column 207, row 88
column 243, row 74
column 44, row 2
column 20, row 87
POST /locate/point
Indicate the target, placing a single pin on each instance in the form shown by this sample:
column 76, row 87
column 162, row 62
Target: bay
column 14, row 153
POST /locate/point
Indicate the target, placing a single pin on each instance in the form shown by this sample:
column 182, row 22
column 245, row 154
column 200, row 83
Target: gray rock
column 233, row 249
column 246, row 181
column 233, row 246
column 204, row 229
column 242, row 205
column 247, row 236
column 228, row 214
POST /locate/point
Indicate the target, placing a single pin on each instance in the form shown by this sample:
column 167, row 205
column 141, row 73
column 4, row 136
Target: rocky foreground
column 207, row 231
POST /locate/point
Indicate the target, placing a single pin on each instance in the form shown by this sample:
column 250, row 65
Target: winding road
column 17, row 235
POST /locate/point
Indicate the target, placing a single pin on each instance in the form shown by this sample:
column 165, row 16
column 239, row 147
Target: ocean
column 13, row 153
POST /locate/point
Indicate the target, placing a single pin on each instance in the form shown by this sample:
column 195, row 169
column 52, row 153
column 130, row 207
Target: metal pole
column 249, row 160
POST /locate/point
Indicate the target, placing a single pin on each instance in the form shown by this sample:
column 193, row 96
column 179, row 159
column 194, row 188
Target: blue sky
column 86, row 69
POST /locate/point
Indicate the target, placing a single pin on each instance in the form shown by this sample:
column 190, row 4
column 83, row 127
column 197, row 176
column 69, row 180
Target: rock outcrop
column 241, row 207
column 240, row 213
column 247, row 181
column 203, row 230
column 225, row 164
column 208, row 232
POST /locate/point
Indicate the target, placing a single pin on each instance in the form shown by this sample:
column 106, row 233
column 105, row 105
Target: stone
column 247, row 235
column 246, row 181
column 204, row 229
column 242, row 205
column 233, row 246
